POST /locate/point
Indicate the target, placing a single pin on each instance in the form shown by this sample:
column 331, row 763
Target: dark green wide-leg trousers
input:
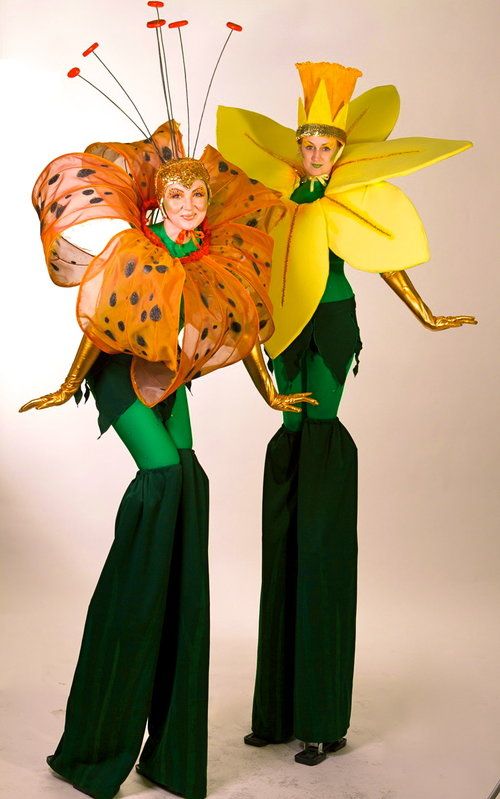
column 308, row 600
column 144, row 653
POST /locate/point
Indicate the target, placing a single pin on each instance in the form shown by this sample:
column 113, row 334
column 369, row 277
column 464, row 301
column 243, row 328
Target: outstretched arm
column 85, row 357
column 262, row 380
column 401, row 284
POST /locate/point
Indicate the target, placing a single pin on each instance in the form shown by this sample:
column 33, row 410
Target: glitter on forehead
column 182, row 170
column 312, row 129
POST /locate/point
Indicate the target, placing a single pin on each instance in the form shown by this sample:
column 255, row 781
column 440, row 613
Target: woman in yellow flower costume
column 340, row 208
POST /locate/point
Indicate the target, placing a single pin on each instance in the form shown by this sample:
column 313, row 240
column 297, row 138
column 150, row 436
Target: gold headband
column 312, row 129
column 180, row 170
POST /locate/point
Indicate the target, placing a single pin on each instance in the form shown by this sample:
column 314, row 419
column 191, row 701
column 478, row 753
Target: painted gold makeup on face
column 185, row 209
column 318, row 154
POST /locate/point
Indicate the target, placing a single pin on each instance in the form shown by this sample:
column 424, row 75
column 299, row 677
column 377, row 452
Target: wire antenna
column 158, row 24
column 180, row 24
column 74, row 72
column 233, row 26
column 92, row 50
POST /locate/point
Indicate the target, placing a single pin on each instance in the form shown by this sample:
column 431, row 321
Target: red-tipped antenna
column 181, row 24
column 157, row 25
column 74, row 72
column 91, row 50
column 233, row 26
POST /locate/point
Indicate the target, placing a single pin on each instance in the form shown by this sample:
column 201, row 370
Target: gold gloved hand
column 401, row 284
column 256, row 368
column 85, row 357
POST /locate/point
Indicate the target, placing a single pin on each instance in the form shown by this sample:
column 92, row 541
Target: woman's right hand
column 58, row 397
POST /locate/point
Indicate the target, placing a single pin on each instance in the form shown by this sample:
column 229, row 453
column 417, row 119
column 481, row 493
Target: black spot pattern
column 57, row 209
column 147, row 157
column 167, row 153
column 234, row 172
column 235, row 327
column 129, row 268
column 155, row 314
column 88, row 191
column 134, row 298
column 147, row 268
column 257, row 270
column 95, row 200
column 252, row 222
column 112, row 299
column 55, row 268
column 141, row 341
column 262, row 323
column 253, row 181
column 151, row 297
column 231, row 302
column 106, row 319
column 109, row 334
column 204, row 333
column 108, row 192
column 121, row 326
column 204, row 299
column 237, row 240
column 251, row 197
column 162, row 269
column 144, row 316
column 54, row 178
column 223, row 167
column 84, row 173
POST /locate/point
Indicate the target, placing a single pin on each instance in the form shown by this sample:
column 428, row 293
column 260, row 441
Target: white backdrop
column 423, row 408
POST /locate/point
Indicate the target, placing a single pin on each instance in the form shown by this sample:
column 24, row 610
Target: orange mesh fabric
column 141, row 159
column 73, row 189
column 132, row 293
column 233, row 194
column 129, row 299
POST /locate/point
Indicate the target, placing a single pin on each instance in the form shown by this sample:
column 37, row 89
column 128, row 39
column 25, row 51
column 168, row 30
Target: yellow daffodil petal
column 372, row 115
column 370, row 162
column 261, row 147
column 299, row 272
column 375, row 228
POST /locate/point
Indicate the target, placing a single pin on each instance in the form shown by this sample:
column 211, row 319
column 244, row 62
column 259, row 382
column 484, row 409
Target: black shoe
column 313, row 754
column 253, row 740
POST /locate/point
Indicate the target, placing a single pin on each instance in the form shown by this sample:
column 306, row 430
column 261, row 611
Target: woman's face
column 186, row 208
column 318, row 154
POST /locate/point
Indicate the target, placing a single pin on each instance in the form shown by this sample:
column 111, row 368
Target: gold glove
column 85, row 357
column 401, row 284
column 257, row 370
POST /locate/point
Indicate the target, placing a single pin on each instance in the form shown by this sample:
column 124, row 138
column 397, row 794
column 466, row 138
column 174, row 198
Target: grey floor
column 425, row 719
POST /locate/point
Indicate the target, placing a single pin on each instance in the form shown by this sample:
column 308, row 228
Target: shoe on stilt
column 313, row 754
column 253, row 740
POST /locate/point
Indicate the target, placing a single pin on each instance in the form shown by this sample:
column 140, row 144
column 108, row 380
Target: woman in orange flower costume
column 159, row 306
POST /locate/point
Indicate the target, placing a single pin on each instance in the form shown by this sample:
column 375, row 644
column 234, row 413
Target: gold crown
column 327, row 90
column 180, row 170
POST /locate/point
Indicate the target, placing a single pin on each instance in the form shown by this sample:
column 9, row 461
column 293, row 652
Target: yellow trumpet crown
column 327, row 90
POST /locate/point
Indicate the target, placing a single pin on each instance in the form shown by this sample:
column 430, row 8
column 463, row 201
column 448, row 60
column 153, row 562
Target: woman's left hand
column 288, row 402
column 445, row 322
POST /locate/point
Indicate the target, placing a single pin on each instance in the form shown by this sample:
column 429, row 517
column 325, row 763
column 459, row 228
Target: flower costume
column 156, row 314
column 343, row 210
